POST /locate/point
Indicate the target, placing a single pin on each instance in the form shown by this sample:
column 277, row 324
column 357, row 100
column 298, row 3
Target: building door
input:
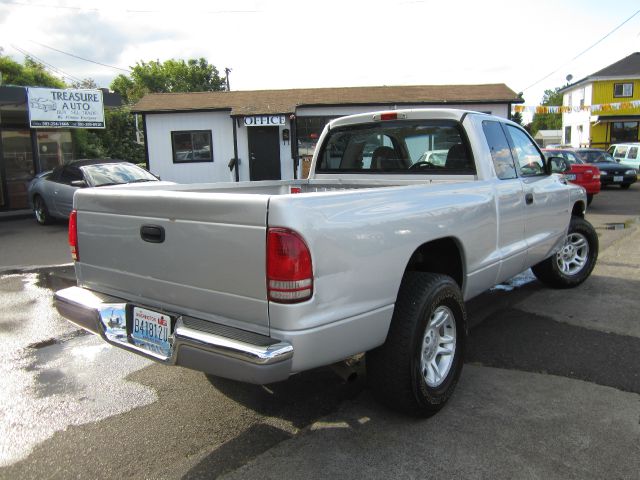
column 264, row 153
column 18, row 170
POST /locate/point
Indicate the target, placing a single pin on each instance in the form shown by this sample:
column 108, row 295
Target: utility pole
column 227, row 70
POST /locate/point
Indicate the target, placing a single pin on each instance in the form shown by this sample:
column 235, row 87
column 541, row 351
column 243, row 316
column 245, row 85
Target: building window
column 567, row 135
column 55, row 147
column 624, row 132
column 623, row 90
column 192, row 146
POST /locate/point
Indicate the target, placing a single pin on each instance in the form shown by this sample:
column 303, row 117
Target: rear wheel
column 625, row 186
column 41, row 211
column 417, row 368
column 575, row 261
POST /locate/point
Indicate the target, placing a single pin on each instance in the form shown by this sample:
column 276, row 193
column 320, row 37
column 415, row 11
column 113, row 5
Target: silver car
column 51, row 193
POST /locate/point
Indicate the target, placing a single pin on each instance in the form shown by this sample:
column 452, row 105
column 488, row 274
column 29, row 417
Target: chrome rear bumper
column 198, row 344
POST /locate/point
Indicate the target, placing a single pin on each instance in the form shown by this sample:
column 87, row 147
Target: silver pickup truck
column 405, row 216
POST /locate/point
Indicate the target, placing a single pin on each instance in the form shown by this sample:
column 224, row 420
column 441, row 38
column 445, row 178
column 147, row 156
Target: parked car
column 587, row 176
column 51, row 193
column 611, row 172
column 628, row 153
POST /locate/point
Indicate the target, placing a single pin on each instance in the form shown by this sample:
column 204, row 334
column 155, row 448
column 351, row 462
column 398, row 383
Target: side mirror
column 79, row 183
column 559, row 165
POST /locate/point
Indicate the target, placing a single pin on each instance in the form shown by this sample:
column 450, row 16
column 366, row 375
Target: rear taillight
column 289, row 268
column 73, row 235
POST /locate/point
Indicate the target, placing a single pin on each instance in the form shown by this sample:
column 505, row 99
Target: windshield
column 596, row 156
column 116, row 174
column 421, row 146
column 568, row 156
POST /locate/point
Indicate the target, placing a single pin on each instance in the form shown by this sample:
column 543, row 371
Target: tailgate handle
column 152, row 233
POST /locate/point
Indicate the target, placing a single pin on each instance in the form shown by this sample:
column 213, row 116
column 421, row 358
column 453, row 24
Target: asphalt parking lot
column 551, row 389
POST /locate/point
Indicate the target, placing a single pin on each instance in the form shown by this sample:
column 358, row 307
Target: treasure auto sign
column 70, row 108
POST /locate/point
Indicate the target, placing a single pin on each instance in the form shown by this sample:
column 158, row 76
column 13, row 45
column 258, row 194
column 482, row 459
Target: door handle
column 152, row 233
column 528, row 198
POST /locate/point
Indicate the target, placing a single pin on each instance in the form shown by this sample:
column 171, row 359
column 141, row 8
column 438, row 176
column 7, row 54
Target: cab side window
column 620, row 152
column 70, row 174
column 500, row 151
column 529, row 158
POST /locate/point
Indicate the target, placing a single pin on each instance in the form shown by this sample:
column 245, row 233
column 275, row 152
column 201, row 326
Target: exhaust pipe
column 350, row 369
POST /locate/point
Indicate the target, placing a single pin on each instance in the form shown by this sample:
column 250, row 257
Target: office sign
column 70, row 108
column 264, row 120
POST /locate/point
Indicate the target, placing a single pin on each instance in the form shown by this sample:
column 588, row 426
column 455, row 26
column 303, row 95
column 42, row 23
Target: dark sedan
column 51, row 193
column 611, row 172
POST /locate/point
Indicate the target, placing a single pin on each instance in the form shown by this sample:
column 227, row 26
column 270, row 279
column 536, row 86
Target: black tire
column 625, row 186
column 396, row 371
column 41, row 212
column 589, row 198
column 578, row 263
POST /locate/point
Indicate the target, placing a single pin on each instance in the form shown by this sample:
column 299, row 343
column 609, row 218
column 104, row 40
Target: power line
column 127, row 10
column 51, row 67
column 81, row 58
column 581, row 53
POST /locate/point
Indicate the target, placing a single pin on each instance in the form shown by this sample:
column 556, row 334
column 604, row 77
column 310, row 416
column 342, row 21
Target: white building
column 271, row 134
column 544, row 138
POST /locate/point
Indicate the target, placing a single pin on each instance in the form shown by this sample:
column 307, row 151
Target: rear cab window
column 403, row 147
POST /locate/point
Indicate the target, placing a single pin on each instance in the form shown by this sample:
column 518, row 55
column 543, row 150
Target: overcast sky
column 331, row 43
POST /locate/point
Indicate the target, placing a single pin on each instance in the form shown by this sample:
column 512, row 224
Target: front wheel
column 43, row 217
column 575, row 260
column 625, row 186
column 416, row 370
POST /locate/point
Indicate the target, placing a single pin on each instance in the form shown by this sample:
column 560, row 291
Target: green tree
column 117, row 140
column 517, row 117
column 548, row 121
column 31, row 73
column 194, row 75
column 86, row 83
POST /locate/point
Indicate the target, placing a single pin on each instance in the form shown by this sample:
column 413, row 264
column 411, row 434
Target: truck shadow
column 301, row 399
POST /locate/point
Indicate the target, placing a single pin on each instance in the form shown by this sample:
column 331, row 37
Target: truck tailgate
column 209, row 264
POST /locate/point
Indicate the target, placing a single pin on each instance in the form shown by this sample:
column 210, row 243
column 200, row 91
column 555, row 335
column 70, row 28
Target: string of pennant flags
column 604, row 107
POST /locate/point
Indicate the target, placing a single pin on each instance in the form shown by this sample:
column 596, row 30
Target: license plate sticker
column 151, row 330
column 617, row 178
column 570, row 176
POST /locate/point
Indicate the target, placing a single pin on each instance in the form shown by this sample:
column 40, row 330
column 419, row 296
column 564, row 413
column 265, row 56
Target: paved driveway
column 25, row 244
column 551, row 389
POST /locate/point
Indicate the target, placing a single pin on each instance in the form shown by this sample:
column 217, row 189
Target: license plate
column 570, row 176
column 151, row 330
column 617, row 178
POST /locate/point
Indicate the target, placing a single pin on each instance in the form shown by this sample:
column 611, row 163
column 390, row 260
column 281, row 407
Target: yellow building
column 604, row 107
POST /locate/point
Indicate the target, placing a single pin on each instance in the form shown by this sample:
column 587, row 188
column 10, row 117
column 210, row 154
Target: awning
column 614, row 118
